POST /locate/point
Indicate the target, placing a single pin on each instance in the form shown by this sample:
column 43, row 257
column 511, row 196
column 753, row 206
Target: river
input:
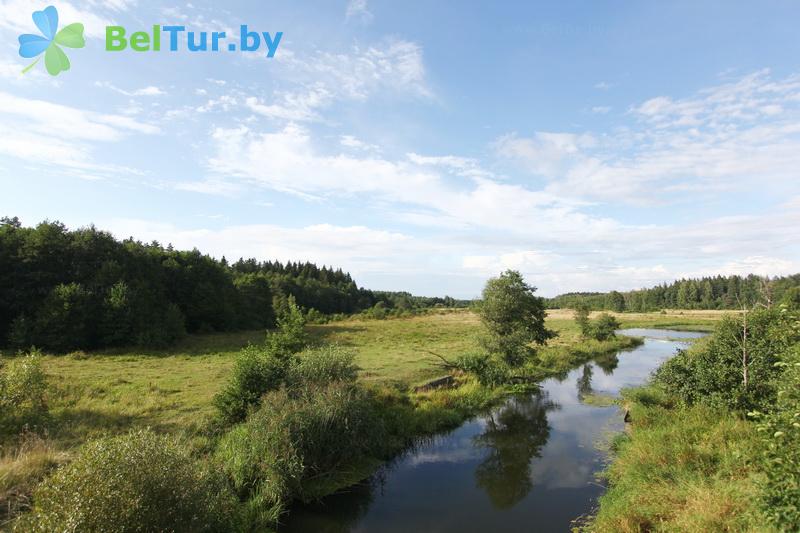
column 529, row 464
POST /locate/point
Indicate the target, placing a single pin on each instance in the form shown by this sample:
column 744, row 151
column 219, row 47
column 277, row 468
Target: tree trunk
column 745, row 361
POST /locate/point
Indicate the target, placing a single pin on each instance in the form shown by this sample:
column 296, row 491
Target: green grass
column 171, row 390
column 689, row 320
column 680, row 469
column 598, row 400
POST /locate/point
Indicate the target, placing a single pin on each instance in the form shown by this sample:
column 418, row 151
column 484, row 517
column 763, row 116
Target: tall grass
column 681, row 469
column 26, row 464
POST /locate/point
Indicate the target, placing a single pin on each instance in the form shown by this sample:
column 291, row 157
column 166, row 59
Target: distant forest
column 719, row 292
column 65, row 290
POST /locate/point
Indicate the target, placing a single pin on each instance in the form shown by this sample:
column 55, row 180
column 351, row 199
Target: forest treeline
column 718, row 292
column 65, row 290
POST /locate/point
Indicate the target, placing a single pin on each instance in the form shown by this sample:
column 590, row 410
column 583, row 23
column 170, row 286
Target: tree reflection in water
column 515, row 434
column 585, row 382
column 608, row 362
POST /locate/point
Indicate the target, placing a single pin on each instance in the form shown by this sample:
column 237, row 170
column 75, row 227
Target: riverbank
column 711, row 447
column 681, row 469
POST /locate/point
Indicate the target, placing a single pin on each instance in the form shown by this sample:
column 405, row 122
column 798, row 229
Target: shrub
column 256, row 371
column 315, row 317
column 137, row 482
column 780, row 430
column 23, row 389
column 487, row 369
column 582, row 318
column 292, row 438
column 714, row 371
column 604, row 327
column 324, row 365
column 291, row 336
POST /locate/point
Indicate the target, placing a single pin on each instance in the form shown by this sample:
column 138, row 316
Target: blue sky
column 426, row 146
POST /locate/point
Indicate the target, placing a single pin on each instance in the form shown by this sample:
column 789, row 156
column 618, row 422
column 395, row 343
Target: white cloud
column 46, row 118
column 754, row 264
column 223, row 103
column 545, row 153
column 40, row 132
column 356, row 248
column 731, row 137
column 349, row 141
column 601, row 109
column 463, row 166
column 358, row 9
column 392, row 66
column 529, row 261
column 299, row 107
column 287, row 160
column 150, row 90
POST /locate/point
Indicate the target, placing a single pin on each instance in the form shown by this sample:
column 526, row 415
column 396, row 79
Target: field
column 172, row 390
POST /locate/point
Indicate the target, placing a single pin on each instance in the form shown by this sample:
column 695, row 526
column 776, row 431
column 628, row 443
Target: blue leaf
column 47, row 21
column 32, row 45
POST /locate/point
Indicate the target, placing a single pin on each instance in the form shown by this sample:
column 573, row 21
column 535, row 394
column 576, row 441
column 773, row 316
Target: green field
column 172, row 390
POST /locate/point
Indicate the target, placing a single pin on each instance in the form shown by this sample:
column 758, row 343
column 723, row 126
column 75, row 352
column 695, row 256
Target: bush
column 259, row 369
column 315, row 317
column 23, row 389
column 137, row 482
column 487, row 369
column 291, row 336
column 713, row 372
column 256, row 371
column 322, row 366
column 604, row 327
column 295, row 437
column 582, row 318
column 780, row 431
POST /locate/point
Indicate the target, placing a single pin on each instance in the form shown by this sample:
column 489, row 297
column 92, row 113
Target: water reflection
column 514, row 435
column 608, row 362
column 585, row 382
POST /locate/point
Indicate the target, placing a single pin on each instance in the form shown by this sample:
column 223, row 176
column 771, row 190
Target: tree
column 791, row 298
column 604, row 327
column 514, row 318
column 615, row 302
column 291, row 336
column 582, row 318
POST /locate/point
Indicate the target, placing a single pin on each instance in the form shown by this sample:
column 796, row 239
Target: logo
column 173, row 37
column 50, row 42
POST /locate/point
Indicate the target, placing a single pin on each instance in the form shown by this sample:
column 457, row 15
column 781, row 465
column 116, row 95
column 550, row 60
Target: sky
column 425, row 146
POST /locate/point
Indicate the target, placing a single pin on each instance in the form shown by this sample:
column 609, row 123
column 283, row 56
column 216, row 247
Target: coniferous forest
column 718, row 292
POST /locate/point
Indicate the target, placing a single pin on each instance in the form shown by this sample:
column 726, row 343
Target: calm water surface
column 528, row 465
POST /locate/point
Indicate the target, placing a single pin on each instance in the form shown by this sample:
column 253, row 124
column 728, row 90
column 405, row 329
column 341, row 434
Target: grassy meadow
column 171, row 391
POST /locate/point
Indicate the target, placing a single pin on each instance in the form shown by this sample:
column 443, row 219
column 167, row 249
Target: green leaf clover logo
column 55, row 59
